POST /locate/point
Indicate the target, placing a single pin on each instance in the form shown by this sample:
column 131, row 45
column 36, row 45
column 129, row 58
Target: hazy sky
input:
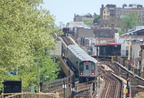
column 64, row 10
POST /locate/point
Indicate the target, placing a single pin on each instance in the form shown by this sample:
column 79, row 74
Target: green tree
column 26, row 33
column 121, row 32
column 88, row 22
column 129, row 21
column 96, row 19
column 49, row 67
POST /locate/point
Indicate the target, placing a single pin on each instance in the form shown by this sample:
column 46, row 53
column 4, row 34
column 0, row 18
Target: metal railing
column 30, row 95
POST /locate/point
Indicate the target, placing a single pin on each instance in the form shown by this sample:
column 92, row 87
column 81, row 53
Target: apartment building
column 111, row 14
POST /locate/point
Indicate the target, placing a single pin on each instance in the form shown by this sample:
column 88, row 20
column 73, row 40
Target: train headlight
column 81, row 73
column 92, row 72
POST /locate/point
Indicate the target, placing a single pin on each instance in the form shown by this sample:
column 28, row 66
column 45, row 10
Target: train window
column 87, row 67
column 65, row 30
column 92, row 67
column 81, row 67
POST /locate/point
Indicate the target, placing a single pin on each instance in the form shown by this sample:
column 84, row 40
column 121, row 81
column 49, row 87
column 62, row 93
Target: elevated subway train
column 68, row 30
column 85, row 66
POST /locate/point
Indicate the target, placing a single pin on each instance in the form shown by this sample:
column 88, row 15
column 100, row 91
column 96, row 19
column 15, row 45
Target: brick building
column 105, row 32
column 89, row 17
column 111, row 14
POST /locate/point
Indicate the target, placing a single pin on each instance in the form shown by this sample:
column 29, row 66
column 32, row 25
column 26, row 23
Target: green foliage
column 96, row 18
column 26, row 32
column 67, row 24
column 3, row 73
column 48, row 68
column 29, row 75
column 121, row 32
column 130, row 21
column 88, row 22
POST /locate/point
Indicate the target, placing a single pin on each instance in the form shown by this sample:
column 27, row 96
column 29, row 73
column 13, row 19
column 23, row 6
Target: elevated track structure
column 113, row 87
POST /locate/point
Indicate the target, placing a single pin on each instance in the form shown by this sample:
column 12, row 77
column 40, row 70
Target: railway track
column 80, row 88
column 85, row 89
column 112, row 88
column 110, row 79
column 113, row 85
column 67, row 40
column 124, row 72
column 135, row 81
column 106, row 88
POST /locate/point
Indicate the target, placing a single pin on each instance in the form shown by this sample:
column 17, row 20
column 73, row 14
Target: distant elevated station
column 108, row 50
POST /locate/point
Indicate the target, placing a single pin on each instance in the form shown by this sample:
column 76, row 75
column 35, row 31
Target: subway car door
column 86, row 69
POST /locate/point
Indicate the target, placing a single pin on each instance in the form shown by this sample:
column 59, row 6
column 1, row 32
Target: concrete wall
column 135, row 48
column 58, row 50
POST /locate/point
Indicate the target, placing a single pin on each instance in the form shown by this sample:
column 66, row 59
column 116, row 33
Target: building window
column 140, row 53
column 104, row 16
column 100, row 33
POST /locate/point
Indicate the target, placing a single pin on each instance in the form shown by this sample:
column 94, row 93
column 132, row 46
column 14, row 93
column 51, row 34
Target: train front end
column 87, row 70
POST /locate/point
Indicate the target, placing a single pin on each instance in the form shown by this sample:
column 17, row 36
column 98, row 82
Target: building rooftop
column 135, row 32
column 77, row 24
column 108, row 43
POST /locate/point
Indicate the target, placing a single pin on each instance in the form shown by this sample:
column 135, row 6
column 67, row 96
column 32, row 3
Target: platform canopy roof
column 108, row 44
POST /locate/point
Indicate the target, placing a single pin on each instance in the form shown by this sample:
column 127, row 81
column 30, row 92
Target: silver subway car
column 86, row 66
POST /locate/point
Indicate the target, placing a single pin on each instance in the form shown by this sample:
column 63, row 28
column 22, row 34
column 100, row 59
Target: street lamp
column 64, row 87
column 39, row 83
column 45, row 77
column 38, row 78
column 53, row 71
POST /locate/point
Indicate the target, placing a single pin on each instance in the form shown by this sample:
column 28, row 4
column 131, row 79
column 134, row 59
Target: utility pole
column 128, row 88
column 64, row 87
column 96, row 86
column 73, row 86
column 69, row 78
column 38, row 78
column 60, row 25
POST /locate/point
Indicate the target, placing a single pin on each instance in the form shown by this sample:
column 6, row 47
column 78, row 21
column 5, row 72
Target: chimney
column 102, row 6
column 101, row 11
column 112, row 30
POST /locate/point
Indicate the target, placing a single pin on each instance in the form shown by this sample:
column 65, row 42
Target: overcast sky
column 64, row 10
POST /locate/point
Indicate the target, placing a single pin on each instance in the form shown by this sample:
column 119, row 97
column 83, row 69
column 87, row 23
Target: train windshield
column 81, row 67
column 65, row 30
column 92, row 66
